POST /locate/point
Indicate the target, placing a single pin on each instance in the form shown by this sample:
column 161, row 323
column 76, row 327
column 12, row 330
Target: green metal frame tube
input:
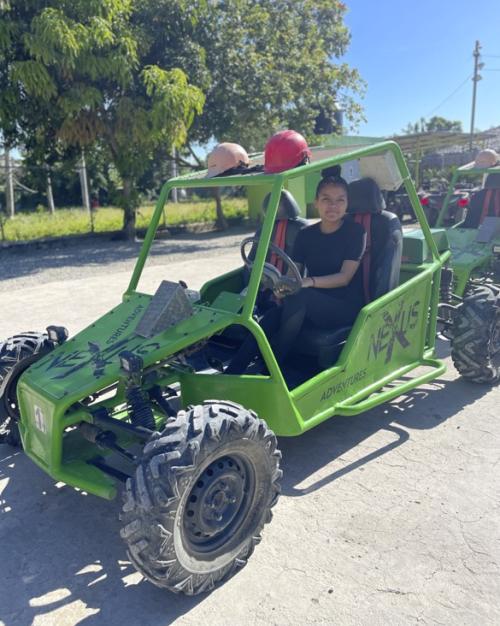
column 444, row 207
column 148, row 239
column 265, row 237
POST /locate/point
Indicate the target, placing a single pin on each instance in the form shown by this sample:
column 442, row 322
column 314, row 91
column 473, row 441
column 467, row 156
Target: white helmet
column 226, row 156
column 486, row 158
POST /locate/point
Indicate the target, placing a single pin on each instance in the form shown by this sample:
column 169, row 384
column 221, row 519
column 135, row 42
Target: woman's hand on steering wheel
column 272, row 278
column 285, row 286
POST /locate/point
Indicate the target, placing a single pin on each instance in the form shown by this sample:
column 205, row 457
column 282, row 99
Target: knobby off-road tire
column 475, row 336
column 16, row 355
column 200, row 497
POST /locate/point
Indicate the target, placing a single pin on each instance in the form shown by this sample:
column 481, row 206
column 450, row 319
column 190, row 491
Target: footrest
column 375, row 394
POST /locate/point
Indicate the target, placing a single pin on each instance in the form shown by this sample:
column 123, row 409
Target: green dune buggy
column 474, row 271
column 132, row 403
column 475, row 240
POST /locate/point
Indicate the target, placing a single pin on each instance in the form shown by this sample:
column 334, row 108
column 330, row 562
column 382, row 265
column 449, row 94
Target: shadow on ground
column 420, row 408
column 61, row 547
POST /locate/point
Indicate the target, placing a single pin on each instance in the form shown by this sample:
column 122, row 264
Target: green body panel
column 415, row 248
column 468, row 255
column 389, row 337
column 88, row 363
column 392, row 337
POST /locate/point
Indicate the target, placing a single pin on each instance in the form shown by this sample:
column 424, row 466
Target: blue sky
column 414, row 55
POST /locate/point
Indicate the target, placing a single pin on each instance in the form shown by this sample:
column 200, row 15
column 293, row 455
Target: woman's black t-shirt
column 324, row 253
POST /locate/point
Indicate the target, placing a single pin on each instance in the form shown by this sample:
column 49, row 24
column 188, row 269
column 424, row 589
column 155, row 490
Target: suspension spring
column 139, row 409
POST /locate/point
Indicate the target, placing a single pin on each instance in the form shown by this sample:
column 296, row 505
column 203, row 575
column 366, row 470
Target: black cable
column 448, row 97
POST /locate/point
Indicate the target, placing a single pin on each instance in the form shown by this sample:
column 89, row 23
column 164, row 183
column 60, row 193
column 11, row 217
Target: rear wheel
column 200, row 497
column 475, row 336
column 16, row 355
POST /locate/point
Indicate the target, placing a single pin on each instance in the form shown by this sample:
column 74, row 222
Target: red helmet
column 285, row 150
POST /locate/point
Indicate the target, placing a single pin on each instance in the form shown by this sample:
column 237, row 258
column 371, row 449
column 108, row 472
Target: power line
column 450, row 96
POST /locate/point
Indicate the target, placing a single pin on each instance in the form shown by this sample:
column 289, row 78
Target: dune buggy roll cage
column 372, row 394
column 461, row 172
column 277, row 181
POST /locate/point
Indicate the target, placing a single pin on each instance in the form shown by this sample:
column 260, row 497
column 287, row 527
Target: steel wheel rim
column 218, row 503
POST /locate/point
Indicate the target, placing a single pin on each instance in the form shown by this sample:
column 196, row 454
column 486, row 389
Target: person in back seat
column 332, row 293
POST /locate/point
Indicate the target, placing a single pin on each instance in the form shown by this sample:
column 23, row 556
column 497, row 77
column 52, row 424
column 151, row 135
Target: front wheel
column 16, row 355
column 200, row 497
column 475, row 336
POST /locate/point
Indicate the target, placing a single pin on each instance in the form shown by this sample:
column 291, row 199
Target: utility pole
column 476, row 77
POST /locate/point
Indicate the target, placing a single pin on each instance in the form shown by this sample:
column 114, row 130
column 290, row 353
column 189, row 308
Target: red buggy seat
column 484, row 203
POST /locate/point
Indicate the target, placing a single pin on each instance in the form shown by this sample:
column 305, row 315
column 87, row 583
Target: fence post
column 82, row 170
column 9, row 189
column 50, row 195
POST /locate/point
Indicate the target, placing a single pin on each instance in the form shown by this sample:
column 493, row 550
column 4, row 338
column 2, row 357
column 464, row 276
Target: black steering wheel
column 272, row 278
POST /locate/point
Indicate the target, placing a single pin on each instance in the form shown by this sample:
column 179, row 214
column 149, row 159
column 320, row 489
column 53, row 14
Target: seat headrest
column 492, row 181
column 365, row 197
column 288, row 207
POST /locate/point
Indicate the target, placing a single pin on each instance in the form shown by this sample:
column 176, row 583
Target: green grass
column 73, row 221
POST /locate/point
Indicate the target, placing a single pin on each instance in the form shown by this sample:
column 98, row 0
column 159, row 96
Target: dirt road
column 390, row 517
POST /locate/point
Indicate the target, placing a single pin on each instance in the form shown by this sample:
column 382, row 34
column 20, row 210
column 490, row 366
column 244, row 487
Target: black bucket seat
column 286, row 227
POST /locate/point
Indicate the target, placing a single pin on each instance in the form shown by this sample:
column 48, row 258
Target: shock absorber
column 139, row 408
column 446, row 287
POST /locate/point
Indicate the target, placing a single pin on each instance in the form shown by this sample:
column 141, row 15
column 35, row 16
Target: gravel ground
column 34, row 265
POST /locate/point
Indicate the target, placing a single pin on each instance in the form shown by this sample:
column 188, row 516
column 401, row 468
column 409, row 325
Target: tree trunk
column 220, row 221
column 9, row 185
column 128, row 211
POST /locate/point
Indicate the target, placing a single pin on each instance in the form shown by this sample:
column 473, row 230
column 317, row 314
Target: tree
column 117, row 71
column 84, row 63
column 263, row 65
column 272, row 66
column 435, row 124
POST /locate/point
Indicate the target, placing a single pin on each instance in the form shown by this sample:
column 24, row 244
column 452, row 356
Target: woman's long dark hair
column 331, row 176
